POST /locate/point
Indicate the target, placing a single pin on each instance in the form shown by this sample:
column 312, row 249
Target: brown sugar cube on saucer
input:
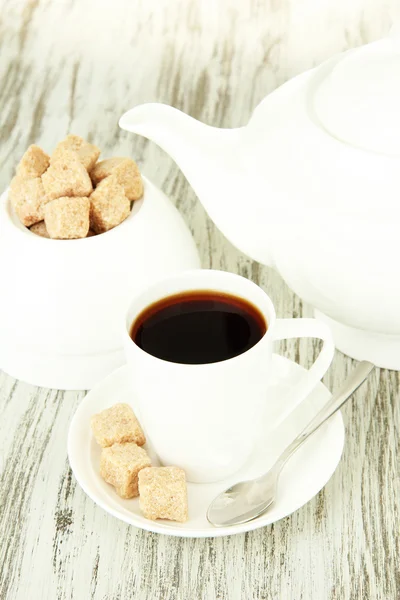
column 66, row 177
column 67, row 218
column 120, row 465
column 28, row 198
column 163, row 493
column 125, row 172
column 117, row 424
column 33, row 163
column 87, row 153
column 40, row 229
column 109, row 206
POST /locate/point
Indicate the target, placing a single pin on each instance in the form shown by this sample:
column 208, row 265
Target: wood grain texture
column 76, row 66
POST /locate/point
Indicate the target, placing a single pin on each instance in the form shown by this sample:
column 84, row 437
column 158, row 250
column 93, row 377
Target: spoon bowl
column 243, row 501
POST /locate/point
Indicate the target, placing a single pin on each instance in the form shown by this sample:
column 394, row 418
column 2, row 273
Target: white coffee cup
column 206, row 418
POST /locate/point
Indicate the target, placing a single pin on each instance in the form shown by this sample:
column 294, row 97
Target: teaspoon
column 247, row 500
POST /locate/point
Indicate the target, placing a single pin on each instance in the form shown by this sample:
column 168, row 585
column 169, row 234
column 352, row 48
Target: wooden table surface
column 76, row 66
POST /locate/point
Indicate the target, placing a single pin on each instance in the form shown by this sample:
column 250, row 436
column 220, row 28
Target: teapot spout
column 193, row 145
column 205, row 154
column 211, row 160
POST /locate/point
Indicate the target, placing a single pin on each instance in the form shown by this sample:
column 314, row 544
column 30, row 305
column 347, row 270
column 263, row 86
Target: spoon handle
column 351, row 384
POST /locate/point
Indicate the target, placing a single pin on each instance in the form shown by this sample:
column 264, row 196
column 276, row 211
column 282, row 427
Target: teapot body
column 332, row 218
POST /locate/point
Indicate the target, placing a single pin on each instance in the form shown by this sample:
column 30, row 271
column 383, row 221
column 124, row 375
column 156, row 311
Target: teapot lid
column 358, row 99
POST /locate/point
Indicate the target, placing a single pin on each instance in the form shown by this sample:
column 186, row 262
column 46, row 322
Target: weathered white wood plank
column 70, row 65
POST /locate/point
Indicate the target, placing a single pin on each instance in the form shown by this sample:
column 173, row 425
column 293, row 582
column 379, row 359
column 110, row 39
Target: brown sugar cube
column 91, row 233
column 117, row 424
column 66, row 177
column 40, row 229
column 163, row 493
column 87, row 153
column 28, row 199
column 67, row 218
column 125, row 172
column 104, row 168
column 108, row 206
column 120, row 465
column 128, row 175
column 33, row 163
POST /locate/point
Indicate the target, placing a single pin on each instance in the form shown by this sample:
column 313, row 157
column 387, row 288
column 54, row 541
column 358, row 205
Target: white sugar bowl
column 63, row 301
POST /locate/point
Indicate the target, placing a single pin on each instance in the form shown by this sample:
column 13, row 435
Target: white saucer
column 303, row 477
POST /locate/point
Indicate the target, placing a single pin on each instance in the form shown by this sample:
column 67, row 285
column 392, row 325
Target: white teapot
column 311, row 186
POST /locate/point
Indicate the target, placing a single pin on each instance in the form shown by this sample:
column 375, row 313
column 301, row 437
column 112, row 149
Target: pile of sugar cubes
column 125, row 464
column 70, row 195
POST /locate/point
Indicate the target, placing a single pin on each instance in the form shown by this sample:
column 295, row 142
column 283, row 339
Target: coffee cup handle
column 307, row 328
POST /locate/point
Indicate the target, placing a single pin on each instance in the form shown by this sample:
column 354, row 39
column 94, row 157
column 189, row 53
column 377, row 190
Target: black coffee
column 198, row 327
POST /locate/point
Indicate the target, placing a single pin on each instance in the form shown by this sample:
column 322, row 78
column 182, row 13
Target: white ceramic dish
column 63, row 301
column 303, row 477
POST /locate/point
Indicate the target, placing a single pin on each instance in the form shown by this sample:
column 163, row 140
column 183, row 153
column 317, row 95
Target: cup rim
column 270, row 317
